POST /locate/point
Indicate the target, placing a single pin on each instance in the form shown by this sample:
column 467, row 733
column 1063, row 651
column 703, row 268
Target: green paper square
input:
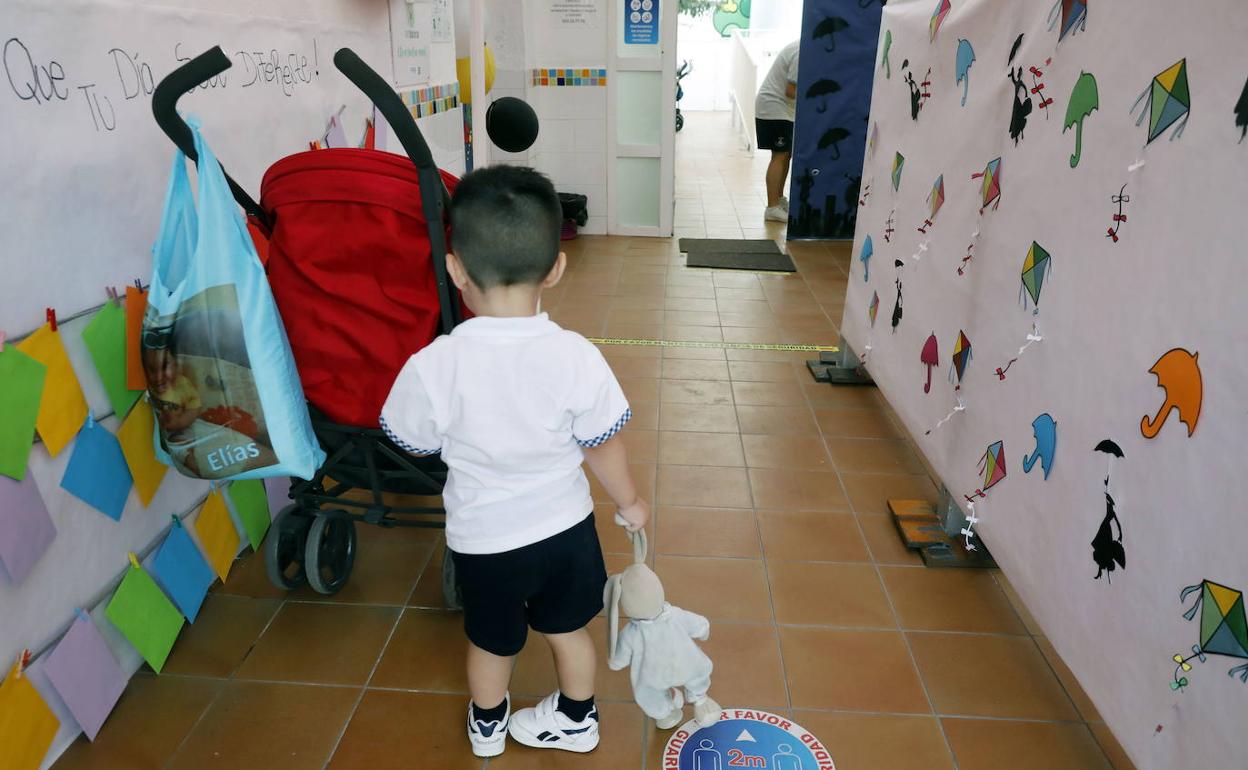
column 105, row 337
column 252, row 506
column 21, row 390
column 145, row 616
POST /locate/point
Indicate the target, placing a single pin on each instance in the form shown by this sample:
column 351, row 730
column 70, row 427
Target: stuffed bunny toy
column 658, row 645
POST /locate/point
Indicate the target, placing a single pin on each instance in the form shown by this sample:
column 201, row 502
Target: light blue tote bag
column 220, row 374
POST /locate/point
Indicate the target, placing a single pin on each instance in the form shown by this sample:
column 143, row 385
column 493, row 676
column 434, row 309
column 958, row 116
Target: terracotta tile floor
column 770, row 518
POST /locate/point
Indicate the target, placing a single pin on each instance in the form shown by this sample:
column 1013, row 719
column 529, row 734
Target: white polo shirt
column 772, row 101
column 509, row 402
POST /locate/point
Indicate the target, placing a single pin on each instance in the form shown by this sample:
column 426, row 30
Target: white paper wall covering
column 1117, row 296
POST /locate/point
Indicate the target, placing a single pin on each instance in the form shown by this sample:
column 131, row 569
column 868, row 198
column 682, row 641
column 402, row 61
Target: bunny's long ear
column 639, row 546
column 611, row 598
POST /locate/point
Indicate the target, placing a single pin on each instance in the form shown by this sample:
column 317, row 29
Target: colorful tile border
column 570, row 77
column 423, row 102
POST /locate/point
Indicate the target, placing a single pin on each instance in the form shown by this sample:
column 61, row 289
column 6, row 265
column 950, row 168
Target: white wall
column 83, row 199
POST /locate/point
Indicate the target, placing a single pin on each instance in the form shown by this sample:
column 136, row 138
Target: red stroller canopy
column 350, row 268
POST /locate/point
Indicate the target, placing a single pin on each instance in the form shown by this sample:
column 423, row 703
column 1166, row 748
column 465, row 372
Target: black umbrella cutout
column 828, row 28
column 830, row 138
column 1014, row 49
column 823, row 88
column 1110, row 447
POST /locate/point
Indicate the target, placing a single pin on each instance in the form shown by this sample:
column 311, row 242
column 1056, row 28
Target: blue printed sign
column 746, row 738
column 641, row 22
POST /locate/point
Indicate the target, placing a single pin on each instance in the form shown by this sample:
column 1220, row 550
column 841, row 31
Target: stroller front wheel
column 284, row 549
column 330, row 553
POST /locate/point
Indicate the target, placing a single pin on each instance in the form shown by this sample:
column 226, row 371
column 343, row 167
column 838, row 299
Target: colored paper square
column 252, row 506
column 545, row 81
column 62, row 407
column 27, row 725
column 217, row 534
column 179, row 567
column 560, row 82
column 105, row 337
column 97, row 473
column 146, row 617
column 26, row 529
column 86, row 675
column 136, row 306
column 21, row 389
column 136, row 436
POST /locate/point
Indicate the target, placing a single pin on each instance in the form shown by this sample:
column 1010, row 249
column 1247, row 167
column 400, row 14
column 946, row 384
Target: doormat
column 729, row 260
column 746, row 738
column 735, row 245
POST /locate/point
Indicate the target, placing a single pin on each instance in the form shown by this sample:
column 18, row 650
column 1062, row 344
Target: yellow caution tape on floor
column 716, row 345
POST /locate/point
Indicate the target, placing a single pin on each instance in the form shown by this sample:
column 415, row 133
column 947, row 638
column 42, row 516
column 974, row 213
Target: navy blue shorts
column 774, row 135
column 553, row 586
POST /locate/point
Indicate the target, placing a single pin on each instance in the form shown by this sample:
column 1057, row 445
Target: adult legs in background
column 777, row 174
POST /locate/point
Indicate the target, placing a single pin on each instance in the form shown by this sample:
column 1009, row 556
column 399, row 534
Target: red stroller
column 357, row 264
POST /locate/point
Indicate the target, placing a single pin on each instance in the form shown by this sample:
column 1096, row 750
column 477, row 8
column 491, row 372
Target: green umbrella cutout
column 1083, row 99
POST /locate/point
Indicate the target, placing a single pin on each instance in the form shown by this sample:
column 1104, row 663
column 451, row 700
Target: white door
column 641, row 117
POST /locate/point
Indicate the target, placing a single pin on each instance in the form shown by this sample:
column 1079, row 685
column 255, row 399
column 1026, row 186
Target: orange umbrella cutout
column 1178, row 374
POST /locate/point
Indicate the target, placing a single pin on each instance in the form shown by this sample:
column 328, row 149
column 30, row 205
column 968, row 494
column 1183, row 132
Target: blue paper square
column 183, row 572
column 97, row 473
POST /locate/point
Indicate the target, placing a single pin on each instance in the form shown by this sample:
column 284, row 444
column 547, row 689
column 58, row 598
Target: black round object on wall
column 511, row 124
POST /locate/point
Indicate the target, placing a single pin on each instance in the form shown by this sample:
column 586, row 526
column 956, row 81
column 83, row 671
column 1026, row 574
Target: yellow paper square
column 136, row 436
column 63, row 409
column 27, row 725
column 217, row 534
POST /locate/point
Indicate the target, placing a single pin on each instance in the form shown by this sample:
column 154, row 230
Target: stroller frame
column 313, row 539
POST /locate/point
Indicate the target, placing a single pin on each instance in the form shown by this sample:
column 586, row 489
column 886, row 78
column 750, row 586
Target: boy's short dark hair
column 505, row 223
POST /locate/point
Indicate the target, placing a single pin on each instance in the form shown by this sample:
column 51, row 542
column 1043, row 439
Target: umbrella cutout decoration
column 962, row 67
column 1223, row 629
column 961, row 358
column 865, row 256
column 1083, row 100
column 1108, row 551
column 888, row 47
column 899, row 163
column 828, row 28
column 929, row 357
column 820, row 90
column 1178, row 374
column 1073, row 15
column 1045, row 431
column 936, row 199
column 990, row 188
column 831, row 138
column 938, row 18
column 1167, row 100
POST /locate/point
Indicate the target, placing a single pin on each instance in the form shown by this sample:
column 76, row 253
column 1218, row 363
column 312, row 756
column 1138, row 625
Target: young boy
column 515, row 404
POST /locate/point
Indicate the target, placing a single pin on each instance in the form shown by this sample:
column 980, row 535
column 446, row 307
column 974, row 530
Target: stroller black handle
column 199, row 70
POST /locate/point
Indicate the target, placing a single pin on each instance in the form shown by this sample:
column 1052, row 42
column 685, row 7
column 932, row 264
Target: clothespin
column 82, row 614
column 23, row 660
column 51, row 318
column 134, row 560
column 111, row 291
column 1136, row 165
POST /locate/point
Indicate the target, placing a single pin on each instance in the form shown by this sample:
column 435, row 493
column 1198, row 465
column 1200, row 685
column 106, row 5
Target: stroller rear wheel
column 450, row 589
column 330, row 553
column 284, row 549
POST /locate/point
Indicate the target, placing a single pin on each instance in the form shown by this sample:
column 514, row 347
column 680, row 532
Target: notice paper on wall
column 575, row 14
column 411, row 32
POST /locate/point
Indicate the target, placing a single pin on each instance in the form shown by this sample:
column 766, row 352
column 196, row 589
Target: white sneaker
column 488, row 738
column 784, row 203
column 545, row 727
column 776, row 214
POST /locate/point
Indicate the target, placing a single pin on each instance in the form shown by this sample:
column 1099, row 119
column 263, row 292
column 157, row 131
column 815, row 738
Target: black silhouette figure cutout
column 916, row 95
column 1022, row 107
column 1241, row 113
column 897, row 306
column 1106, row 550
column 1018, row 42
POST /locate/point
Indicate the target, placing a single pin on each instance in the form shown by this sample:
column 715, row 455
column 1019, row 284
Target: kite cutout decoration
column 1120, row 217
column 1223, row 629
column 865, row 257
column 1178, row 374
column 1045, row 430
column 990, row 189
column 1073, row 15
column 899, row 163
column 961, row 358
column 929, row 357
column 1167, row 100
column 992, row 466
column 873, row 309
column 936, row 199
column 1083, row 100
column 875, row 138
column 938, row 17
column 1035, row 270
column 1107, row 551
column 962, row 67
